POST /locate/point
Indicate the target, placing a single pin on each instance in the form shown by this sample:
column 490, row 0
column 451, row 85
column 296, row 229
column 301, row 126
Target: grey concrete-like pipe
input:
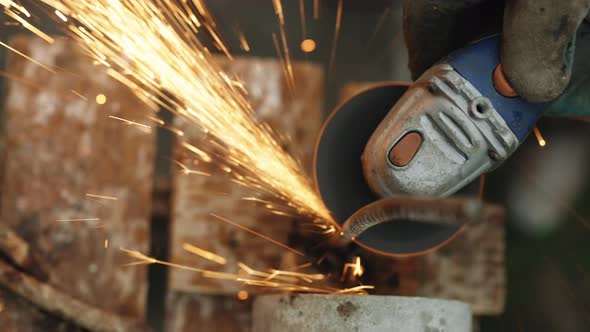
column 370, row 313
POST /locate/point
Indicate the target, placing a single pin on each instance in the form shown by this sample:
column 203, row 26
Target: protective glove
column 538, row 42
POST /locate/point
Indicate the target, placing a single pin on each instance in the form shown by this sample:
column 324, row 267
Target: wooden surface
column 195, row 197
column 60, row 146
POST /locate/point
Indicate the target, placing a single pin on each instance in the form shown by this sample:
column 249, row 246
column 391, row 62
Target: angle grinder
column 387, row 156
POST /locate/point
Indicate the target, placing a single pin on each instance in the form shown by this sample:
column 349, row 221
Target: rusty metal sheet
column 297, row 116
column 188, row 312
column 472, row 268
column 60, row 145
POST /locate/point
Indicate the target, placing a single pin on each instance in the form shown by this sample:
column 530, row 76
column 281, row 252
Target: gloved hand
column 538, row 38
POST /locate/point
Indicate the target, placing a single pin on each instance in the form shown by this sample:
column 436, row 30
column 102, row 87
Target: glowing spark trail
column 204, row 253
column 78, row 94
column 302, row 16
column 131, row 123
column 78, row 219
column 27, row 57
column 289, row 281
column 187, row 170
column 316, row 9
column 336, row 36
column 275, row 41
column 539, row 137
column 379, row 24
column 243, row 41
column 102, row 196
column 278, row 6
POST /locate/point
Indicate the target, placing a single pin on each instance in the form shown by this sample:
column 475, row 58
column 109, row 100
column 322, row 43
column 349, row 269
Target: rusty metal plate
column 61, row 145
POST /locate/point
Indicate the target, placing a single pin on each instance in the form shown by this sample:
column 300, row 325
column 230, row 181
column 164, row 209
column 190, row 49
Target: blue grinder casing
column 476, row 63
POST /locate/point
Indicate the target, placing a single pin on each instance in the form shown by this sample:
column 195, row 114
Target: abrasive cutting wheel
column 340, row 181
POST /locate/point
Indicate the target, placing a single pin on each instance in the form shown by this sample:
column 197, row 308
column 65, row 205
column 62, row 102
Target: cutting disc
column 341, row 183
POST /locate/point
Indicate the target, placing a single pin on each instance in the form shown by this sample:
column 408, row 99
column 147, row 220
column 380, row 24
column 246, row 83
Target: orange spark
column 283, row 62
column 101, row 99
column 157, row 120
column 243, row 41
column 336, row 35
column 308, row 45
column 78, row 94
column 112, row 198
column 202, row 154
column 279, row 12
column 131, row 123
column 174, row 130
column 61, row 16
column 539, row 137
column 106, row 243
column 352, row 270
column 302, row 16
column 28, row 57
column 482, row 183
column 242, row 295
column 316, row 9
column 379, row 24
column 79, row 219
column 187, row 170
column 204, row 253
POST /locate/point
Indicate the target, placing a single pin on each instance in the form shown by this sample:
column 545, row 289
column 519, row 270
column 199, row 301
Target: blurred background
column 530, row 272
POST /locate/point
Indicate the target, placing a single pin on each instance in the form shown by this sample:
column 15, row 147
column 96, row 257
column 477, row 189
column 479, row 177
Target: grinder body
column 448, row 128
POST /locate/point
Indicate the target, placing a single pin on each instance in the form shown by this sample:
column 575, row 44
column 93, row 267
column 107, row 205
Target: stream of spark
column 278, row 279
column 151, row 46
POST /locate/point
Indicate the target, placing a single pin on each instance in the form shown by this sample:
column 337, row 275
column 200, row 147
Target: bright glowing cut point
column 308, row 45
column 101, row 99
column 242, row 295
